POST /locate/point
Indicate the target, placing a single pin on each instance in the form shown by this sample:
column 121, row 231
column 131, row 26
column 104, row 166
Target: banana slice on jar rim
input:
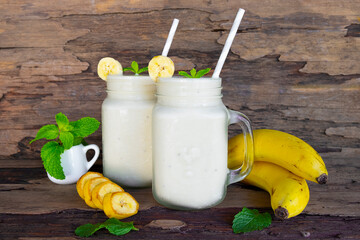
column 108, row 66
column 160, row 66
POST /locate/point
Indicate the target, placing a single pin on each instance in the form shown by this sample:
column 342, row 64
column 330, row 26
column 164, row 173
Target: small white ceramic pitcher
column 75, row 164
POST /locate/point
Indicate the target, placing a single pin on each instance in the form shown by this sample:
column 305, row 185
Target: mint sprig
column 135, row 68
column 66, row 135
column 250, row 220
column 113, row 225
column 195, row 74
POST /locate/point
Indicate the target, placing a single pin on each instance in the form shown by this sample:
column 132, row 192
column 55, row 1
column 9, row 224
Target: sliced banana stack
column 160, row 66
column 99, row 192
column 108, row 66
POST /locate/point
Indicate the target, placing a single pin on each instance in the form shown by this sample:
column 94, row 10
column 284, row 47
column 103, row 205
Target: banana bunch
column 282, row 164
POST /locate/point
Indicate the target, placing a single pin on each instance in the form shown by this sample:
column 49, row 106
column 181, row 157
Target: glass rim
column 126, row 77
column 185, row 79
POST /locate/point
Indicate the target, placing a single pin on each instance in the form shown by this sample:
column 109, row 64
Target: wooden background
column 294, row 66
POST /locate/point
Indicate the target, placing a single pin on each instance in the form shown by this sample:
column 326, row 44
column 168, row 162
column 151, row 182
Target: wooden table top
column 294, row 66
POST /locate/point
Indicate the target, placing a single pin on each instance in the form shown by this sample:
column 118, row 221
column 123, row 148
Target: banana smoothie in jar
column 126, row 130
column 190, row 137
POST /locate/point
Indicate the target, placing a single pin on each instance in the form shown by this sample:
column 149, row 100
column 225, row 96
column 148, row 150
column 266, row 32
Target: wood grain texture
column 217, row 226
column 294, row 66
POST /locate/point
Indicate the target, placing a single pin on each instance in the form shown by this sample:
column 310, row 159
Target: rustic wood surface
column 294, row 66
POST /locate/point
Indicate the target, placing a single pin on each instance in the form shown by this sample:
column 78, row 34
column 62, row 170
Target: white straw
column 228, row 43
column 170, row 37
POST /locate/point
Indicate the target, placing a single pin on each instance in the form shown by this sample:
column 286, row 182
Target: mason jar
column 126, row 130
column 190, row 144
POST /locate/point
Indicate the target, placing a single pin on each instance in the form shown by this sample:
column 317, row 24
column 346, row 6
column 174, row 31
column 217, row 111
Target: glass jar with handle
column 190, row 136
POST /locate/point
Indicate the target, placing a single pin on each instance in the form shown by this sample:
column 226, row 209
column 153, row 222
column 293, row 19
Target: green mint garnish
column 113, row 225
column 67, row 135
column 62, row 121
column 67, row 139
column 48, row 132
column 50, row 155
column 135, row 68
column 194, row 74
column 84, row 126
column 250, row 220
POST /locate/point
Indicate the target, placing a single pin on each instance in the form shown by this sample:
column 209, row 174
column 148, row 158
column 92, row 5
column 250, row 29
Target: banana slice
column 108, row 66
column 99, row 192
column 120, row 205
column 160, row 66
column 84, row 178
column 89, row 186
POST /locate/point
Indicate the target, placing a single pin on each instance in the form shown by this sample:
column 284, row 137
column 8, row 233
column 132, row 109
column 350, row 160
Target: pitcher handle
column 242, row 172
column 96, row 155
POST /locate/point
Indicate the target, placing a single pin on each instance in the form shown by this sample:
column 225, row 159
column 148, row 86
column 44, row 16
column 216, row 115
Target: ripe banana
column 289, row 193
column 282, row 149
column 160, row 66
column 108, row 66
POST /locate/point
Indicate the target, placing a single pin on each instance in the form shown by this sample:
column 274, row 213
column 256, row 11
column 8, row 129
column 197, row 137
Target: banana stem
column 322, row 179
column 281, row 213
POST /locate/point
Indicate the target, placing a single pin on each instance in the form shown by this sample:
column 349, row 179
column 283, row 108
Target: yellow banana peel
column 289, row 193
column 282, row 149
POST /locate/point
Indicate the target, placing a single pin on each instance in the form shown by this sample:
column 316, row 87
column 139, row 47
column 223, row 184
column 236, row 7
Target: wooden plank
column 189, row 224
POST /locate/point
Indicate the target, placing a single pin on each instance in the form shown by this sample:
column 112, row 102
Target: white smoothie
column 190, row 144
column 126, row 130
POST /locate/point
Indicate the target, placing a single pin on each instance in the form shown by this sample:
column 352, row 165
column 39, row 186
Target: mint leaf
column 250, row 220
column 128, row 69
column 87, row 230
column 193, row 72
column 113, row 221
column 78, row 140
column 67, row 139
column 84, row 126
column 135, row 66
column 143, row 69
column 113, row 225
column 50, row 155
column 61, row 120
column 185, row 74
column 201, row 73
column 48, row 131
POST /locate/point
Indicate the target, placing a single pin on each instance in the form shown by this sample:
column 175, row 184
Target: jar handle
column 242, row 172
